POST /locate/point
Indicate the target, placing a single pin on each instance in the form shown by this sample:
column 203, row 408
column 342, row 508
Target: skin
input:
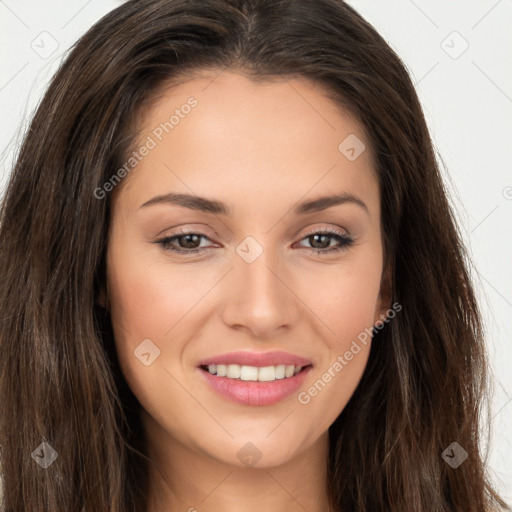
column 259, row 148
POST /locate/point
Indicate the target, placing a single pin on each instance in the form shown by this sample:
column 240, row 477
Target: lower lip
column 254, row 392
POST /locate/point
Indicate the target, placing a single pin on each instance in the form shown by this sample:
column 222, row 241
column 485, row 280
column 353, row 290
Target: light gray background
column 466, row 94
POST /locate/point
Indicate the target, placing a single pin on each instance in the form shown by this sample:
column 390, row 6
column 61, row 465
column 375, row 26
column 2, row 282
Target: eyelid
column 201, row 232
column 200, row 229
column 344, row 239
column 330, row 229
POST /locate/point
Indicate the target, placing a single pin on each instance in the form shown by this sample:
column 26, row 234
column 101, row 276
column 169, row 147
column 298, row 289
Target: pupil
column 188, row 243
column 316, row 239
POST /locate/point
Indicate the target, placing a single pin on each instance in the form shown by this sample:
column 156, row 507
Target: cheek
column 345, row 297
column 144, row 307
column 147, row 298
column 345, row 301
column 326, row 395
column 347, row 307
column 353, row 309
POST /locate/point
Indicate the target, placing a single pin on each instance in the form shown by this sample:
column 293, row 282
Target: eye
column 188, row 243
column 320, row 240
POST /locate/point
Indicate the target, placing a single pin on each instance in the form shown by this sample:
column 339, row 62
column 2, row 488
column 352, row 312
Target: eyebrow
column 219, row 208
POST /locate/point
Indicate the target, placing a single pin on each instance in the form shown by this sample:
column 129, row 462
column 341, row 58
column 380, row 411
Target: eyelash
column 344, row 240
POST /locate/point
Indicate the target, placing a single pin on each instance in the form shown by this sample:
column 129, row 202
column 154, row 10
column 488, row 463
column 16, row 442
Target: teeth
column 267, row 373
column 233, row 371
column 262, row 374
column 248, row 373
column 280, row 371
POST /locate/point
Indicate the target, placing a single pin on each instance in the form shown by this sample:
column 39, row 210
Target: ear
column 385, row 296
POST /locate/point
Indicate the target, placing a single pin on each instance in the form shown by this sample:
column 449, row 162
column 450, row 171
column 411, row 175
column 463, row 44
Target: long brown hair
column 60, row 383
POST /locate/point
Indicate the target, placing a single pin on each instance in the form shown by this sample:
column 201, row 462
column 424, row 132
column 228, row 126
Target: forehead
column 270, row 138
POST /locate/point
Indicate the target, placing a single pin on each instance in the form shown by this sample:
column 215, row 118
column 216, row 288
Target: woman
column 232, row 278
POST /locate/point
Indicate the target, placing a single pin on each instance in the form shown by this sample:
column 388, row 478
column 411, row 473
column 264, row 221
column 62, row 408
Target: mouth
column 254, row 373
column 255, row 385
column 255, row 378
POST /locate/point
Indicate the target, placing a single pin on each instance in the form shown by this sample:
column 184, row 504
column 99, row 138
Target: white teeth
column 248, row 373
column 233, row 371
column 267, row 373
column 254, row 373
column 288, row 372
column 280, row 371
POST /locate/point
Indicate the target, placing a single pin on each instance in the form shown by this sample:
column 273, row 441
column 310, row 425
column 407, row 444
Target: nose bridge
column 260, row 300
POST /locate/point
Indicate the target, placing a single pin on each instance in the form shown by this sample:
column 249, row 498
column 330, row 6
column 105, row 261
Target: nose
column 260, row 297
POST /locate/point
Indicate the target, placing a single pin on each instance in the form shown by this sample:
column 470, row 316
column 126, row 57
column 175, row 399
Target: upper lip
column 273, row 358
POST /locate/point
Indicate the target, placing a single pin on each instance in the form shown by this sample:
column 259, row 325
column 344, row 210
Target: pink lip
column 273, row 358
column 255, row 392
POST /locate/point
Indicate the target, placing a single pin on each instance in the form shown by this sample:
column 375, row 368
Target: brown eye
column 189, row 241
column 320, row 241
column 184, row 243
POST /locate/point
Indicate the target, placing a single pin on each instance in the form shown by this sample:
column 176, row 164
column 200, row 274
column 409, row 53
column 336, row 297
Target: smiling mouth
column 253, row 373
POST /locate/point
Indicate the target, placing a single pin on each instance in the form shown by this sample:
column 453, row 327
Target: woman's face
column 245, row 170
